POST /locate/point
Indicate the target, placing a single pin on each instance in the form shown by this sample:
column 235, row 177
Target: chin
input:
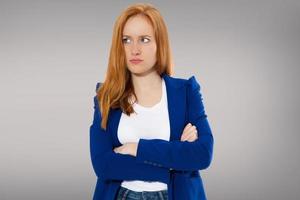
column 140, row 70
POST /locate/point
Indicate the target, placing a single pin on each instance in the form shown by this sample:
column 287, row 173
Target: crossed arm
column 109, row 165
column 151, row 160
column 178, row 155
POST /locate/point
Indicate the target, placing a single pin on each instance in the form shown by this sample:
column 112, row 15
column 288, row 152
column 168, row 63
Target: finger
column 191, row 128
column 192, row 137
column 117, row 149
column 185, row 136
column 188, row 131
column 187, row 126
column 193, row 132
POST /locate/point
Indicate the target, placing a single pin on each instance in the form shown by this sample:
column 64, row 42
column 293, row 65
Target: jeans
column 126, row 194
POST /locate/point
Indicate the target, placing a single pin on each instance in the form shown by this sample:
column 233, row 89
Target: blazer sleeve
column 183, row 155
column 109, row 165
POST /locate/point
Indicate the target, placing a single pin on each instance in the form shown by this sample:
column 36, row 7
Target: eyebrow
column 139, row 36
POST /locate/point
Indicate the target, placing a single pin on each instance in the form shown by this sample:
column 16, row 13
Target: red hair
column 117, row 87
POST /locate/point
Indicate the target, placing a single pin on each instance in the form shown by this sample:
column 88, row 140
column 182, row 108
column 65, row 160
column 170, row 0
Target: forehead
column 137, row 26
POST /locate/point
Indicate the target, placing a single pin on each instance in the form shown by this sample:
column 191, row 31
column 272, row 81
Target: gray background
column 245, row 54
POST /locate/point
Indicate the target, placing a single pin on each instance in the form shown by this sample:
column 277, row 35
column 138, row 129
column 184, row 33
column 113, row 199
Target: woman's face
column 139, row 43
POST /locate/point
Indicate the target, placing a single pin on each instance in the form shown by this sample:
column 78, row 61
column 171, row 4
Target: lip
column 136, row 61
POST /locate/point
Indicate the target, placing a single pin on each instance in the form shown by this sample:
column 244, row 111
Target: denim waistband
column 125, row 193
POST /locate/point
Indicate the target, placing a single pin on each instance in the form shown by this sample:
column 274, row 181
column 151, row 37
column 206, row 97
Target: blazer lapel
column 176, row 98
column 176, row 95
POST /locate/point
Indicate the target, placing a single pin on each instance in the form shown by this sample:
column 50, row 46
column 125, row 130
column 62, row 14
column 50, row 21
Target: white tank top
column 146, row 123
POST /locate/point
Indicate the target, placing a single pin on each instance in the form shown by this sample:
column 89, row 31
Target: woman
column 150, row 135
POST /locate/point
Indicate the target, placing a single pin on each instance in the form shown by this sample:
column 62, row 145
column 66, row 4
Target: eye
column 146, row 39
column 124, row 40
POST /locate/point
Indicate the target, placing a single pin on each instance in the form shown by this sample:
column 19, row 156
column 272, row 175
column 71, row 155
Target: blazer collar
column 176, row 98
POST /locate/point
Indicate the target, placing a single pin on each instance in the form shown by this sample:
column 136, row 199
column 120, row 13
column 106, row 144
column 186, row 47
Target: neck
column 146, row 82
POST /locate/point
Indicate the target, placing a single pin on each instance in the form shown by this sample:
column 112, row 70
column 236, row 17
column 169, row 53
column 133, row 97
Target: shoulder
column 98, row 84
column 191, row 82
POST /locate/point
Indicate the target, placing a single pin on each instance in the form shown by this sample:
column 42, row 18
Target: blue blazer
column 173, row 162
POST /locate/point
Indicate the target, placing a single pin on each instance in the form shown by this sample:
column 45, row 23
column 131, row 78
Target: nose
column 135, row 49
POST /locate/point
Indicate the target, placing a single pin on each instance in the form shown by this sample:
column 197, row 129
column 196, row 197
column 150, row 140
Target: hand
column 127, row 148
column 189, row 133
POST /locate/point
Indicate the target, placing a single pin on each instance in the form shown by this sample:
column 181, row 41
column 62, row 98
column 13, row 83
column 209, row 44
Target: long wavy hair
column 117, row 87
